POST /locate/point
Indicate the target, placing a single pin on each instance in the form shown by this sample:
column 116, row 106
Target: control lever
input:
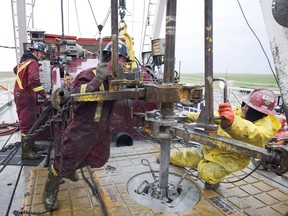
column 145, row 162
column 182, row 178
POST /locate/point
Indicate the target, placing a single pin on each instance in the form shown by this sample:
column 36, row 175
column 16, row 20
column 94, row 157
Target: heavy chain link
column 65, row 107
column 22, row 212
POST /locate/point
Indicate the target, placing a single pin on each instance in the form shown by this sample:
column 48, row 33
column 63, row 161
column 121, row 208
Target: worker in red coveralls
column 87, row 137
column 27, row 87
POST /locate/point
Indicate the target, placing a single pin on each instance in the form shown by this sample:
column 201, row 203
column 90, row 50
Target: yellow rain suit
column 214, row 164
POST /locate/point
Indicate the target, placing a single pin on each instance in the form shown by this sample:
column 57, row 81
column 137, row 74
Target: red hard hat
column 262, row 100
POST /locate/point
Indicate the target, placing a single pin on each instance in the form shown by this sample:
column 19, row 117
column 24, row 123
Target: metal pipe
column 115, row 39
column 206, row 117
column 209, row 60
column 100, row 47
column 100, row 27
column 225, row 88
column 164, row 164
column 62, row 20
column 169, row 61
column 32, row 13
column 22, row 28
column 167, row 109
column 14, row 31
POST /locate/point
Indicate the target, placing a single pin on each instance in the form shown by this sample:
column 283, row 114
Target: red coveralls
column 87, row 136
column 27, row 86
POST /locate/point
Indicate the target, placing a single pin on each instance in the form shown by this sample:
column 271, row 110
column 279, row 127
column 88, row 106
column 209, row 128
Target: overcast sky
column 236, row 49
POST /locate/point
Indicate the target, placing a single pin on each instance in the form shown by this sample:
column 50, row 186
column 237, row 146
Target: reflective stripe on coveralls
column 19, row 69
column 214, row 164
column 99, row 107
column 37, row 89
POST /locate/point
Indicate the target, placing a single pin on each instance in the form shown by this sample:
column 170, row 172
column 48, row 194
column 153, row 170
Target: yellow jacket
column 256, row 133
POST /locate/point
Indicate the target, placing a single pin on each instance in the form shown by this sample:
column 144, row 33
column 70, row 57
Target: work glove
column 102, row 72
column 226, row 115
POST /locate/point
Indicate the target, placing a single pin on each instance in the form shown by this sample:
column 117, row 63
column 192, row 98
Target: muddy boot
column 51, row 189
column 27, row 150
column 211, row 186
column 37, row 148
column 73, row 177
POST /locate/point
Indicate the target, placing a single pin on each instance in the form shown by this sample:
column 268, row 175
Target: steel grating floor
column 17, row 159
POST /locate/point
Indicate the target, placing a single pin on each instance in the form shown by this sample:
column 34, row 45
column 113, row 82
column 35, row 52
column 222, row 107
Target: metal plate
column 187, row 199
column 17, row 159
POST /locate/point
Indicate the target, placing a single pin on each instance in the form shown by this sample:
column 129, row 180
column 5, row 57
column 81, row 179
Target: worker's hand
column 226, row 114
column 102, row 72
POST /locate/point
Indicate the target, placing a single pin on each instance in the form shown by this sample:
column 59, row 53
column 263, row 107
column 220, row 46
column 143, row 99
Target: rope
column 104, row 21
column 78, row 17
column 10, row 131
column 262, row 48
column 6, row 130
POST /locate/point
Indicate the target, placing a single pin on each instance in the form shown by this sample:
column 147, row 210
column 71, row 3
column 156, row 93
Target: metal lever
column 182, row 178
column 145, row 162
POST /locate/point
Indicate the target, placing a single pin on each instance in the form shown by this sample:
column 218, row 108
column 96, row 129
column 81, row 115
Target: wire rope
column 106, row 17
column 14, row 190
column 244, row 16
column 68, row 12
column 76, row 11
column 143, row 36
column 93, row 13
column 104, row 21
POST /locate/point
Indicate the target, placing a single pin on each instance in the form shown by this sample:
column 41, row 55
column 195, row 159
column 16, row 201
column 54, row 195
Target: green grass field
column 239, row 80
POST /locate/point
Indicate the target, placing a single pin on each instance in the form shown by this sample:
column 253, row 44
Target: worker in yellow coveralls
column 254, row 123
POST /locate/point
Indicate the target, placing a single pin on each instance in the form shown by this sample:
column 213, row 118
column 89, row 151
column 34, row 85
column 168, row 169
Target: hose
column 8, row 128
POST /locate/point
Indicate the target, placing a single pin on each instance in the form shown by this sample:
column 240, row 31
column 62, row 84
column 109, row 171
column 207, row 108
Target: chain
column 41, row 128
column 22, row 212
column 61, row 161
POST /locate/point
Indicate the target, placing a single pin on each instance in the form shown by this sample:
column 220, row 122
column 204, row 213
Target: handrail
column 235, row 96
column 6, row 93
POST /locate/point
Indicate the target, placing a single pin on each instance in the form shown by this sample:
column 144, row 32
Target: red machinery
column 69, row 57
